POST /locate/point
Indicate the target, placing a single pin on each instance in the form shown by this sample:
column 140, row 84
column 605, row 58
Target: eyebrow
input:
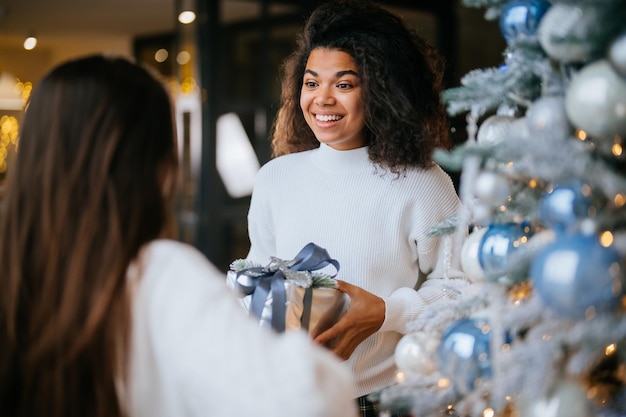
column 337, row 74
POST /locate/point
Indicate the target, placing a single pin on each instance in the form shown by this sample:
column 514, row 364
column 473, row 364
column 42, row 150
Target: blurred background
column 221, row 60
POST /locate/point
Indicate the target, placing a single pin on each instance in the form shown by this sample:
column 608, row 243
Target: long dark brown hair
column 89, row 187
column 401, row 76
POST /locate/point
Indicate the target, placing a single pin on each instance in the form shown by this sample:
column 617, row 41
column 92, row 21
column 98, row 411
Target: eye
column 310, row 84
column 344, row 86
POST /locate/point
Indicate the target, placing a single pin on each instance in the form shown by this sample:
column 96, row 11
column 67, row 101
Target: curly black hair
column 401, row 76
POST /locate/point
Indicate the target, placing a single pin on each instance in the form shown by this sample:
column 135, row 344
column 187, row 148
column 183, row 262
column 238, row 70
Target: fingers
column 341, row 343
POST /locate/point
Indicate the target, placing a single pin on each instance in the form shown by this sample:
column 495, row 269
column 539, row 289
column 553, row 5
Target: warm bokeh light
column 8, row 137
column 586, row 190
column 619, row 200
column 443, row 383
column 30, row 42
column 183, row 57
column 606, row 239
column 581, row 134
column 161, row 55
column 617, row 149
column 187, row 16
column 610, row 349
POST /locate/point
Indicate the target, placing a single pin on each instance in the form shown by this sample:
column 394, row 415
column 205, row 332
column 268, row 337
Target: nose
column 324, row 98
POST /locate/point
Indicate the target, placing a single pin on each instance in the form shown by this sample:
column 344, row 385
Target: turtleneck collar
column 333, row 160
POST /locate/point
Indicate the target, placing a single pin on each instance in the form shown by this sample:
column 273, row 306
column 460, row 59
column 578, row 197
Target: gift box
column 293, row 294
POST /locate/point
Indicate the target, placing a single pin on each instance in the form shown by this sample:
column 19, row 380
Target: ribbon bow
column 261, row 281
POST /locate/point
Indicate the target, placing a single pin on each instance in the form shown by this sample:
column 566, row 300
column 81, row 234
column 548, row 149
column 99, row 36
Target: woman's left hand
column 364, row 317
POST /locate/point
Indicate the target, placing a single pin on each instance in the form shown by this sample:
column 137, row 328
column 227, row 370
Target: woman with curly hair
column 102, row 312
column 359, row 119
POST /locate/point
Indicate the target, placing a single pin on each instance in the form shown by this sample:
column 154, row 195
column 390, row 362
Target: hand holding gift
column 364, row 317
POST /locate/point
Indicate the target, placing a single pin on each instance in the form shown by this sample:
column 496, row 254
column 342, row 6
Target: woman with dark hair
column 102, row 314
column 359, row 119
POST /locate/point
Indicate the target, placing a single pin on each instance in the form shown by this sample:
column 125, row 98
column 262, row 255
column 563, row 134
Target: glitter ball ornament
column 563, row 206
column 561, row 32
column 576, row 272
column 464, row 353
column 568, row 399
column 595, row 101
column 415, row 352
column 469, row 255
column 617, row 55
column 522, row 17
column 547, row 117
column 491, row 188
column 494, row 129
column 497, row 248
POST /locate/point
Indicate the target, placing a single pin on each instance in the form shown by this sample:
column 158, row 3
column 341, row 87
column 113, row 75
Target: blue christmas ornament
column 576, row 272
column 464, row 353
column 522, row 17
column 497, row 247
column 563, row 206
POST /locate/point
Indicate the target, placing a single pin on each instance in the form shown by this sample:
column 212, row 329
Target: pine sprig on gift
column 323, row 281
column 241, row 264
column 319, row 279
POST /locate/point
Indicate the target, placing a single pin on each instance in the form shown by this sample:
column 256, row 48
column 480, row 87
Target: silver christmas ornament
column 547, row 117
column 595, row 101
column 617, row 55
column 561, row 24
column 415, row 353
column 491, row 188
column 567, row 400
column 494, row 129
column 469, row 256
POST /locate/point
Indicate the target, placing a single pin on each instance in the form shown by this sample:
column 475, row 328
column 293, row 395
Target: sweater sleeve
column 404, row 305
column 260, row 227
column 438, row 261
column 216, row 359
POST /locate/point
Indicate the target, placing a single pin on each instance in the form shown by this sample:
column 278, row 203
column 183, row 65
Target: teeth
column 327, row 117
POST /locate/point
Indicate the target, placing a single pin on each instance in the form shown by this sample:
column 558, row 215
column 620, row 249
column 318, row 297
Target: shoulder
column 431, row 179
column 166, row 253
column 282, row 169
column 166, row 267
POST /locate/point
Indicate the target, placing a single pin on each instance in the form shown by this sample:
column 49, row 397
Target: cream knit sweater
column 374, row 223
column 195, row 353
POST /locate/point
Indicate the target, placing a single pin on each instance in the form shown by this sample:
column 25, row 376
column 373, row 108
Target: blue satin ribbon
column 261, row 281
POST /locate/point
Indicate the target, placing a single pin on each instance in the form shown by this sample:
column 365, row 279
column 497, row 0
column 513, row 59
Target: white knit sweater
column 196, row 353
column 374, row 223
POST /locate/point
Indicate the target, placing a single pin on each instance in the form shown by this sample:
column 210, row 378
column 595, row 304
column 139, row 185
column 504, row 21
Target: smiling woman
column 359, row 118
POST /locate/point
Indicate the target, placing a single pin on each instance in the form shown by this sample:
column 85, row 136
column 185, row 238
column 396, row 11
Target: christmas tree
column 541, row 329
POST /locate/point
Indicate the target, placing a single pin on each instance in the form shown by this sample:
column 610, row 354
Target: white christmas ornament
column 547, row 116
column 561, row 21
column 415, row 352
column 491, row 188
column 568, row 400
column 596, row 101
column 617, row 55
column 481, row 212
column 494, row 129
column 469, row 256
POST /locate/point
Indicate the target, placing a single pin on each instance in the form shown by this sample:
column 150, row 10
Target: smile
column 328, row 117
